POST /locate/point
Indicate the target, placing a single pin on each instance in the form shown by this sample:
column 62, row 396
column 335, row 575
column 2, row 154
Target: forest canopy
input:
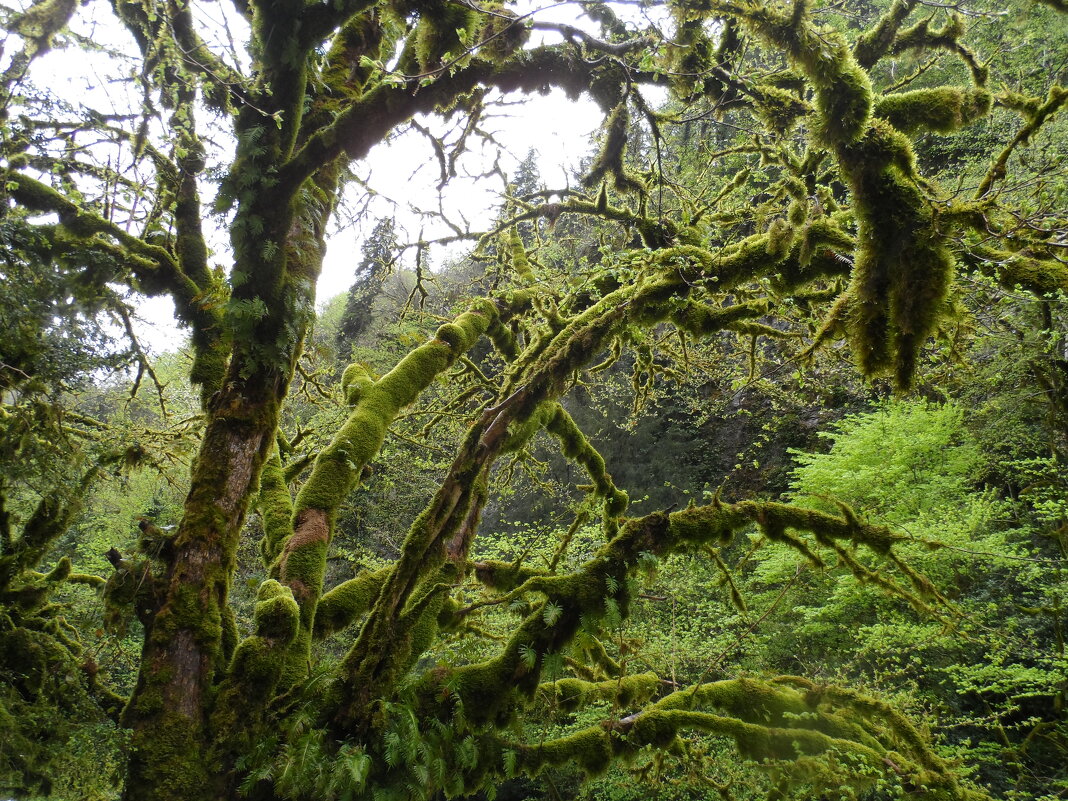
column 735, row 466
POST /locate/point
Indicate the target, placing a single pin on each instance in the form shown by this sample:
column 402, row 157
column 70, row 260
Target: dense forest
column 733, row 466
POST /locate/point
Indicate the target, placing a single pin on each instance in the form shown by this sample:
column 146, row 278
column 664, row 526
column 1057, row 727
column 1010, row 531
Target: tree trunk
column 187, row 643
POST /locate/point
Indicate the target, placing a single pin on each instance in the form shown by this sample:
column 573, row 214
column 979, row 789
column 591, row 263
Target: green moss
column 439, row 30
column 130, row 586
column 902, row 269
column 255, row 671
column 363, row 35
column 705, row 524
column 623, row 692
column 590, row 749
column 701, row 319
column 1041, row 276
column 339, row 464
column 779, row 109
column 780, row 238
column 355, row 381
column 39, row 23
column 164, row 759
column 594, row 653
column 343, row 605
column 844, row 106
column 503, row 33
column 874, row 43
column 616, row 503
column 276, row 508
column 575, row 445
column 610, row 159
column 843, row 91
column 656, row 728
column 24, row 659
column 943, row 110
column 60, row 572
column 503, row 576
column 420, row 623
column 276, row 612
column 210, row 361
column 518, row 253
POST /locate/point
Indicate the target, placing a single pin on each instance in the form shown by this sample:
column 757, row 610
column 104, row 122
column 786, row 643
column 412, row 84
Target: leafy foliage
column 783, row 207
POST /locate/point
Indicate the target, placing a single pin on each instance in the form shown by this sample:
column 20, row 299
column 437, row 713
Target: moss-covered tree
column 830, row 213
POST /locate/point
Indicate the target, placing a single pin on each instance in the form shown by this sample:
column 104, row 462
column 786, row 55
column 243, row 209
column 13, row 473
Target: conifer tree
column 379, row 254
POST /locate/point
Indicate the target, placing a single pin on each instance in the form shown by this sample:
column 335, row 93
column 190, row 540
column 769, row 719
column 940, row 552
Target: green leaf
column 551, row 613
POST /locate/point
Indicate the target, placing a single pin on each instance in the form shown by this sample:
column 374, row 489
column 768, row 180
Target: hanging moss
column 779, row 109
column 609, row 160
column 575, row 446
column 503, row 33
column 692, row 52
column 780, row 238
column 594, row 653
column 445, row 29
column 902, row 269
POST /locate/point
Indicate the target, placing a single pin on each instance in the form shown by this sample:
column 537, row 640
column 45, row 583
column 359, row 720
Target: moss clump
column 575, row 445
column 503, row 576
column 131, row 589
column 355, row 381
column 376, row 404
column 518, row 254
column 701, row 319
column 609, row 160
column 444, row 30
column 874, row 43
column 255, row 671
column 590, row 749
column 503, row 34
column 705, row 524
column 343, row 605
column 1041, row 276
column 276, row 612
column 843, row 91
column 942, row 110
column 780, row 109
column 275, row 505
column 622, row 692
column 655, row 728
column 902, row 269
